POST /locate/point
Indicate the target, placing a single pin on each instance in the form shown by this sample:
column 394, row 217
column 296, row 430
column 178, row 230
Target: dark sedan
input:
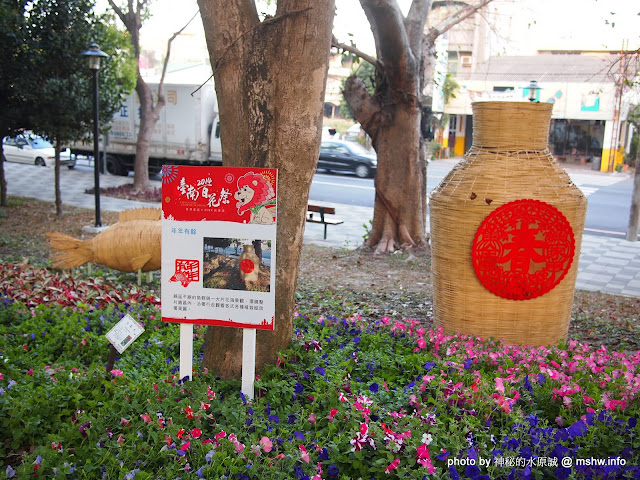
column 347, row 157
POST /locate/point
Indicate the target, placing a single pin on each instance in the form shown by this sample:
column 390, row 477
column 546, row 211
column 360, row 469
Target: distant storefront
column 589, row 116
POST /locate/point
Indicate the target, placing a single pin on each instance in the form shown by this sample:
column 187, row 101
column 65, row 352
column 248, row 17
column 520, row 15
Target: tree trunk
column 634, row 212
column 56, row 176
column 391, row 117
column 3, row 182
column 149, row 115
column 270, row 79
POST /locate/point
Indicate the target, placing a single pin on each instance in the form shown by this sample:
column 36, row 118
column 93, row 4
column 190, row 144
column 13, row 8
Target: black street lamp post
column 533, row 90
column 94, row 54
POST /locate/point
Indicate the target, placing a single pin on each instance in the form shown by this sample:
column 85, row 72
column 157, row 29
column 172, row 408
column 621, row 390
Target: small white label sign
column 124, row 333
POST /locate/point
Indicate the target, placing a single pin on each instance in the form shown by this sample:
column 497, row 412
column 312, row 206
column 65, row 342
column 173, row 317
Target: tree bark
column 56, row 176
column 392, row 116
column 3, row 182
column 270, row 80
column 634, row 212
column 149, row 115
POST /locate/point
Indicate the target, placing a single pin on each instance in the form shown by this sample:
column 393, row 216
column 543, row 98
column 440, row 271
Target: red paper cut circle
column 523, row 249
column 247, row 266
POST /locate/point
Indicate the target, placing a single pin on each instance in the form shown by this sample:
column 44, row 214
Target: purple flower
column 467, row 363
column 299, row 435
column 578, row 429
column 319, row 370
column 453, row 473
column 527, row 384
column 356, row 340
column 374, row 387
column 429, row 365
column 333, row 471
column 274, row 418
column 83, row 429
column 10, row 472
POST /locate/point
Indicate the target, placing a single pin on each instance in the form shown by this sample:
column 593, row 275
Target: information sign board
column 219, row 246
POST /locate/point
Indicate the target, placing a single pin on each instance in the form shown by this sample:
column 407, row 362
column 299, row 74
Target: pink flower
column 124, row 422
column 30, row 372
column 424, row 459
column 210, row 393
column 120, row 440
column 205, row 406
column 116, row 373
column 146, row 418
column 612, row 404
column 312, row 418
column 221, row 434
column 266, row 444
column 332, row 413
column 186, row 446
column 196, row 433
column 304, row 455
column 392, row 466
column 188, row 412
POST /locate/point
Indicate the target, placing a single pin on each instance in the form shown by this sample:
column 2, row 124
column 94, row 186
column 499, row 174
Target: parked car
column 353, row 132
column 347, row 157
column 34, row 150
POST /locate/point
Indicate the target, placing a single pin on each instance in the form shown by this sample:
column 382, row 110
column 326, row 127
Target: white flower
column 427, row 438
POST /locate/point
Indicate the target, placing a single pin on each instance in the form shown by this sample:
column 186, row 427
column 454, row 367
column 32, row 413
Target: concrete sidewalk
column 606, row 264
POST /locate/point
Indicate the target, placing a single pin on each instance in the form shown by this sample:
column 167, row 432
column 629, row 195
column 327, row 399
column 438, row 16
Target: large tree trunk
column 56, row 176
column 3, row 181
column 270, row 79
column 391, row 117
column 634, row 212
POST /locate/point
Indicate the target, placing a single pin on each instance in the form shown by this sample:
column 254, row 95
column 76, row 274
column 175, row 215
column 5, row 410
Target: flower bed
column 349, row 399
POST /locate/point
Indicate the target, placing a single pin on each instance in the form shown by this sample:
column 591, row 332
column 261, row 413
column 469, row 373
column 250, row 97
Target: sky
column 573, row 23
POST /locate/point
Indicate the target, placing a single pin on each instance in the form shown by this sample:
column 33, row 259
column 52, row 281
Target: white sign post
column 219, row 255
column 248, row 361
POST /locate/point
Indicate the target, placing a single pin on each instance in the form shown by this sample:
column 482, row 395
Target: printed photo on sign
column 236, row 264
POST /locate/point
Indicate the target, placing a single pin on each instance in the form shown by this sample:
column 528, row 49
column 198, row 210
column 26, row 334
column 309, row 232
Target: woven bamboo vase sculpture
column 506, row 228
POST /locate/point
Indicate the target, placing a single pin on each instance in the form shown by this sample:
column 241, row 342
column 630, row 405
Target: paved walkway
column 606, row 264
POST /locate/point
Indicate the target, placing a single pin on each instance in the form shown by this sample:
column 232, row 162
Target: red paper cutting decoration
column 247, row 266
column 523, row 249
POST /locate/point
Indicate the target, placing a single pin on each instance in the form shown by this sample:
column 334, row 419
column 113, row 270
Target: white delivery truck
column 187, row 132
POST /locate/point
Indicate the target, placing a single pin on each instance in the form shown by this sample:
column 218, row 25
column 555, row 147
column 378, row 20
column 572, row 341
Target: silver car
column 34, row 150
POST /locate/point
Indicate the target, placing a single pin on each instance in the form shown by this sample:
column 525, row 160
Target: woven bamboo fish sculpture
column 130, row 245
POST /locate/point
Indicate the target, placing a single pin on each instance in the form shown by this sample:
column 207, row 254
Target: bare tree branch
column 166, row 58
column 358, row 53
column 453, row 20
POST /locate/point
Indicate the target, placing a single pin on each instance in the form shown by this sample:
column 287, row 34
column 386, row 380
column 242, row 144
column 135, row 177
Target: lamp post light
column 94, row 54
column 533, row 90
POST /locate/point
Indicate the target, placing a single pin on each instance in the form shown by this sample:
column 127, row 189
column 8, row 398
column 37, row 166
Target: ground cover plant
column 367, row 389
